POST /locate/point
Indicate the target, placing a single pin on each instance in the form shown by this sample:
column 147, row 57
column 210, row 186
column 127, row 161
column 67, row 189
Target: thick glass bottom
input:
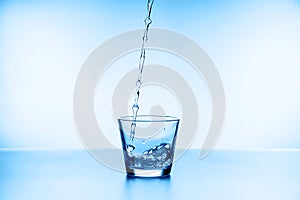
column 148, row 173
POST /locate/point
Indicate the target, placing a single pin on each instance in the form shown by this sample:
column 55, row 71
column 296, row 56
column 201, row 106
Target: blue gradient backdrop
column 254, row 44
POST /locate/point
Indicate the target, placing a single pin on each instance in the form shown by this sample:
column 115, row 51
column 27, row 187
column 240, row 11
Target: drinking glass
column 148, row 144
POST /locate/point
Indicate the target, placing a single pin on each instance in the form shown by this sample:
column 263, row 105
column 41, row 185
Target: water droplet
column 147, row 21
column 130, row 148
column 138, row 83
column 143, row 142
column 135, row 108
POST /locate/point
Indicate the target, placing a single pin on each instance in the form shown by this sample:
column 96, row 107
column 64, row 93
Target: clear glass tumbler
column 148, row 144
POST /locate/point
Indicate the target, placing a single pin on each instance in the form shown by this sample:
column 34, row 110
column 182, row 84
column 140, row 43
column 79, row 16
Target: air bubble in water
column 132, row 131
column 130, row 148
column 163, row 145
column 156, row 148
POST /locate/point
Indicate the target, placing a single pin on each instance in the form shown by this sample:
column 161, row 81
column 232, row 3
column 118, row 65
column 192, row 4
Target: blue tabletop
column 222, row 175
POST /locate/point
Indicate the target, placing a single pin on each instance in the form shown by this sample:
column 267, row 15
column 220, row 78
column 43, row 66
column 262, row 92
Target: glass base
column 148, row 173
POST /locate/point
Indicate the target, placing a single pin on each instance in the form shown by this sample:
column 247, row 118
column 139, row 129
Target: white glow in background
column 255, row 46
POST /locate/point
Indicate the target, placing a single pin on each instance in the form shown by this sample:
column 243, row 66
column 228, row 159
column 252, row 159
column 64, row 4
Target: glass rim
column 149, row 118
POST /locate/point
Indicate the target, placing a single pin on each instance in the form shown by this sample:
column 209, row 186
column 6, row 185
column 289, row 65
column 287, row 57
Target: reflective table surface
column 222, row 175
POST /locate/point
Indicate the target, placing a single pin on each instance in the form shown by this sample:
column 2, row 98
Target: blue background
column 255, row 46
